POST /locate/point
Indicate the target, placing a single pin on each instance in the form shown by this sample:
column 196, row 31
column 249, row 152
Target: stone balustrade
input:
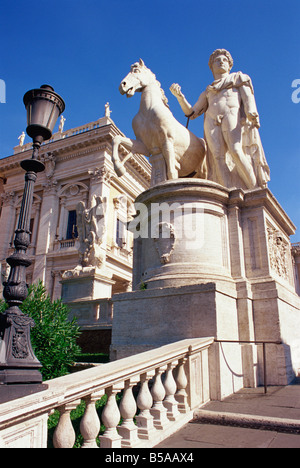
column 157, row 393
column 66, row 243
column 68, row 133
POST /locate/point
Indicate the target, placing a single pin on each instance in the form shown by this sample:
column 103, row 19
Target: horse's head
column 136, row 80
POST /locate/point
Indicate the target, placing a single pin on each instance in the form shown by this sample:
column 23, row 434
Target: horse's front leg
column 134, row 146
column 170, row 158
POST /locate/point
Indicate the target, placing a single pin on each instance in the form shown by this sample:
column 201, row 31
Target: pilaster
column 7, row 221
column 100, row 187
column 47, row 229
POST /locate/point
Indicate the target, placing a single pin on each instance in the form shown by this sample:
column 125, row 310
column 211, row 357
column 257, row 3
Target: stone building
column 78, row 168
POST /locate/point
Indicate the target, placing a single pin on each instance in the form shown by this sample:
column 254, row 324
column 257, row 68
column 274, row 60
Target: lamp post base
column 19, row 376
column 18, row 363
column 12, row 392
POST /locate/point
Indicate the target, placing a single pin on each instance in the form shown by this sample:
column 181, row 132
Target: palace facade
column 78, row 167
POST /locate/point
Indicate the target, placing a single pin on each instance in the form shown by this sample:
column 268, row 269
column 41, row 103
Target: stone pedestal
column 85, row 291
column 213, row 262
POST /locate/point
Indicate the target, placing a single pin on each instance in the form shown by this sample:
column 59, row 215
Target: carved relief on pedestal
column 164, row 241
column 278, row 249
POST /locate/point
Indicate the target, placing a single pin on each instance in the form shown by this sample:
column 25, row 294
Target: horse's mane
column 163, row 96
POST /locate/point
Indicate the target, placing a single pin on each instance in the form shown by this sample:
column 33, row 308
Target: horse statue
column 157, row 131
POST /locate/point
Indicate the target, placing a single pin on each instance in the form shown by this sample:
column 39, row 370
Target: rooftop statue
column 157, row 131
column 61, row 124
column 234, row 150
column 107, row 110
column 21, row 138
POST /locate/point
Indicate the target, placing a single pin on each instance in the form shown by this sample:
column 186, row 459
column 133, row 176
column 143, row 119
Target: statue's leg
column 217, row 147
column 232, row 132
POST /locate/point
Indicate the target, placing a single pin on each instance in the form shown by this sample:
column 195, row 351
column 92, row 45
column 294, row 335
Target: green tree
column 53, row 337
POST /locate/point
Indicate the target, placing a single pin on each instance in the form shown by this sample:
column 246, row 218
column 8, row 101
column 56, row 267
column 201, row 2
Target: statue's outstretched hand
column 176, row 90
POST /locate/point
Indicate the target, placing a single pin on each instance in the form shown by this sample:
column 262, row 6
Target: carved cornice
column 74, row 145
column 264, row 197
column 102, row 174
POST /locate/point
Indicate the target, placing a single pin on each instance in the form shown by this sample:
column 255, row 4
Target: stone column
column 296, row 265
column 34, row 234
column 63, row 214
column 56, row 285
column 100, row 186
column 47, row 230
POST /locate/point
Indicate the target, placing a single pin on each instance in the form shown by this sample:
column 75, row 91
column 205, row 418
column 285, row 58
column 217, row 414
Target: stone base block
column 148, row 319
column 214, row 262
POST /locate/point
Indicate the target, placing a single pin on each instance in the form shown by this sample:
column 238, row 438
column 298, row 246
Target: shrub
column 53, row 337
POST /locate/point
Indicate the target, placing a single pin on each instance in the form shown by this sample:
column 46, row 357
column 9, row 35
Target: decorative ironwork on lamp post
column 18, row 364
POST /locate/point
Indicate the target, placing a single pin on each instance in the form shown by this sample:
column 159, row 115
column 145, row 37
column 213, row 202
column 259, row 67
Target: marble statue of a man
column 235, row 153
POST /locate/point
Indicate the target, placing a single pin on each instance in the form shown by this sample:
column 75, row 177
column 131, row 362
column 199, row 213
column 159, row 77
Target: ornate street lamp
column 18, row 364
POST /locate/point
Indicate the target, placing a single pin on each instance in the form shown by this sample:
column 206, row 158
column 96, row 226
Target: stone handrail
column 163, row 385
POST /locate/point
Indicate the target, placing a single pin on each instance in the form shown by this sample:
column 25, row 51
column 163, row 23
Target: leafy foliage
column 53, row 337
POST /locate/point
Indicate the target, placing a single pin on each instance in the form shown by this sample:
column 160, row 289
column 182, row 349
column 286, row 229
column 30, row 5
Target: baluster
column 158, row 411
column 144, row 402
column 64, row 435
column 170, row 388
column 182, row 382
column 128, row 430
column 111, row 418
column 90, row 423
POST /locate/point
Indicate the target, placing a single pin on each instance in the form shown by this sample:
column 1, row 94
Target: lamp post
column 18, row 364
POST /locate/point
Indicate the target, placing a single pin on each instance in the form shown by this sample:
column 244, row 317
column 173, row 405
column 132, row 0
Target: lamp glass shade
column 43, row 107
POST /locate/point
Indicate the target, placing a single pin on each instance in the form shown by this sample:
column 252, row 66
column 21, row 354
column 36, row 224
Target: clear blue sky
column 84, row 48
